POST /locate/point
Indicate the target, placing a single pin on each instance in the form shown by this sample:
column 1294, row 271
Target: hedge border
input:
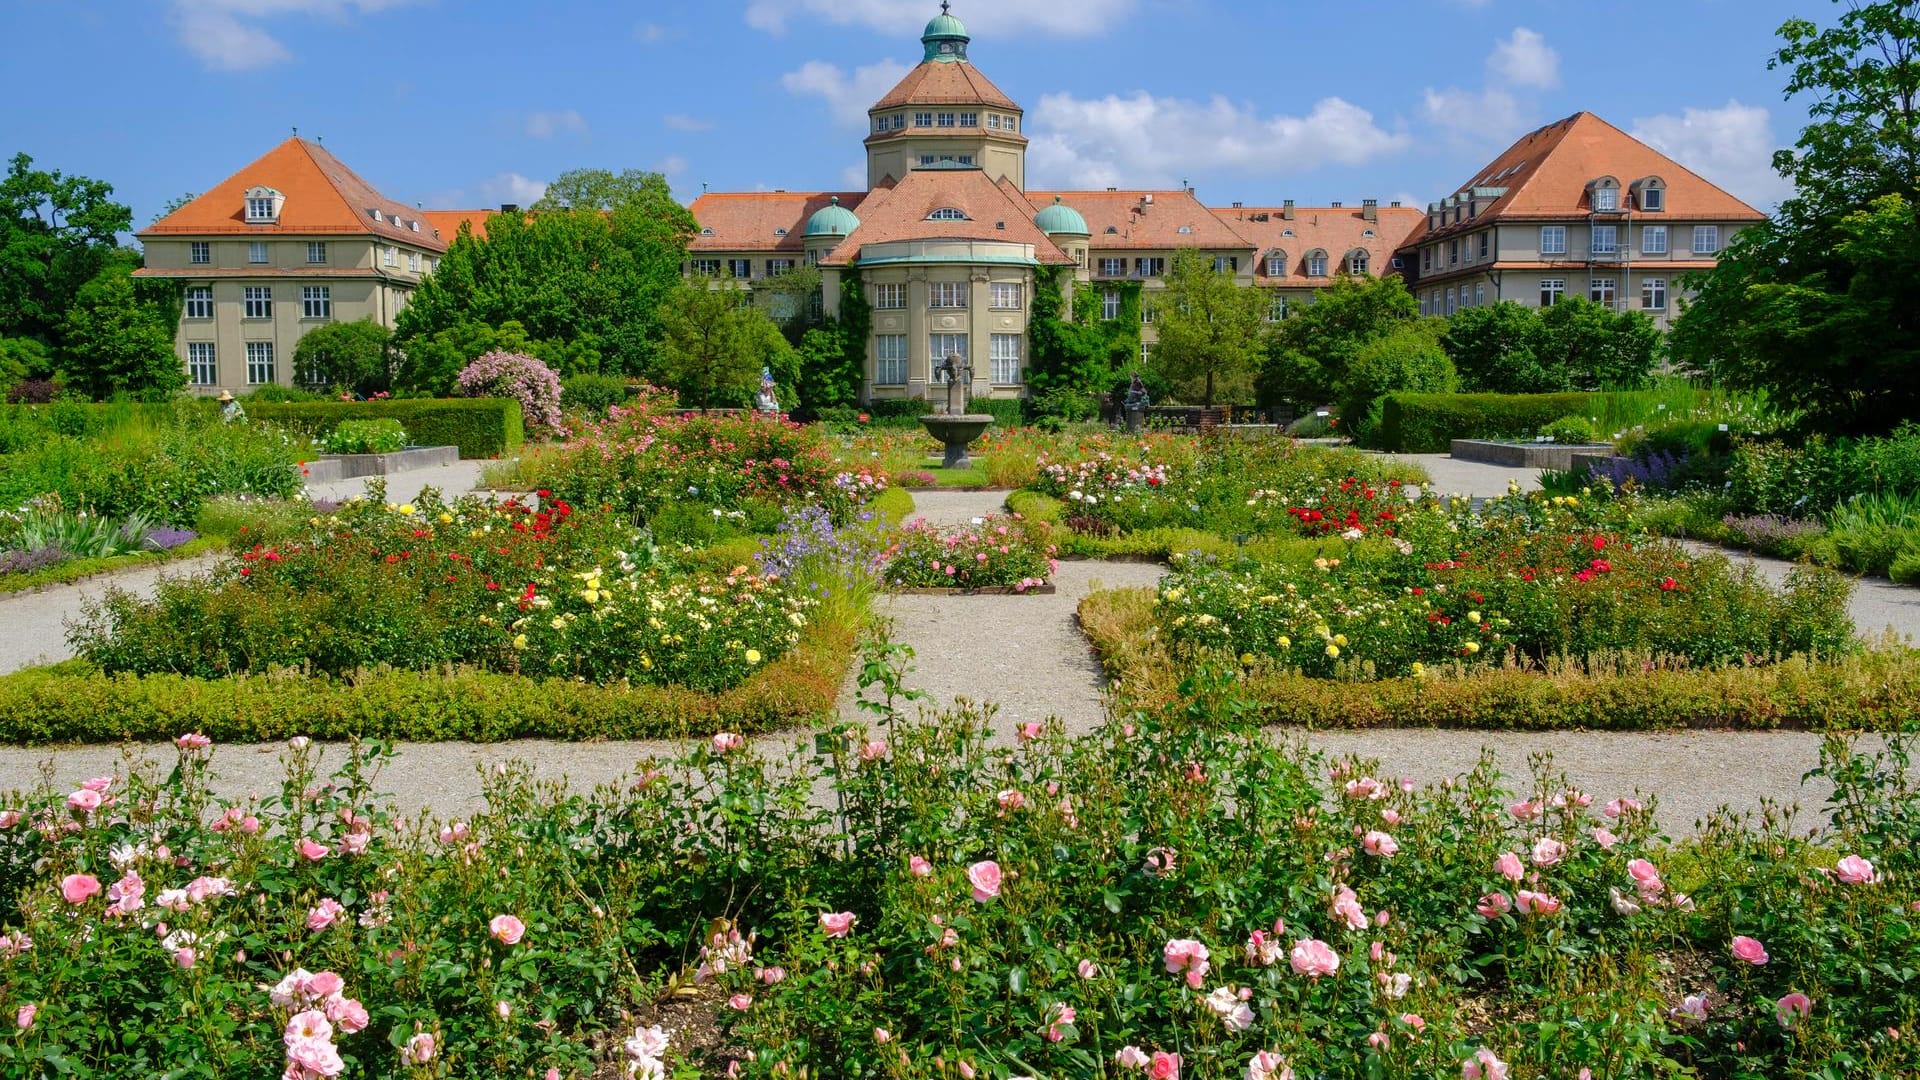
column 39, row 707
column 1428, row 423
column 1876, row 690
column 480, row 427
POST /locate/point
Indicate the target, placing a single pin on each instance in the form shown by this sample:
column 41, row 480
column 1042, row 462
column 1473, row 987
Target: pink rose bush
column 518, row 376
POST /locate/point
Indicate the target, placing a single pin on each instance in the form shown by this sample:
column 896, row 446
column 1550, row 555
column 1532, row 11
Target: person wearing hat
column 230, row 410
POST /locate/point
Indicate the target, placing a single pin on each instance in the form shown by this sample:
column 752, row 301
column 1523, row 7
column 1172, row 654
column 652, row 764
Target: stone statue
column 1135, row 404
column 769, row 398
column 959, row 378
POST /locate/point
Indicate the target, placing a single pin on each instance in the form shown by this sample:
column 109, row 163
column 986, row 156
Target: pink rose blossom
column 1185, row 954
column 1346, row 907
column 838, row 924
column 1164, row 1066
column 504, row 1009
column 325, row 986
column 24, row 1018
column 1267, row 1065
column 1390, row 816
column 311, row 850
column 98, row 784
column 1483, row 1065
column 1791, row 1009
column 772, row 976
column 1130, row 1057
column 1493, row 905
column 308, row 1025
column 1380, row 844
column 9, row 818
column 185, row 957
column 1548, row 852
column 1414, row 1021
column 1010, row 800
column 193, row 741
column 1510, row 866
column 1693, row 1008
column 1536, row 903
column 84, row 801
column 1622, row 903
column 1746, row 948
column 348, row 1014
column 1854, row 870
column 985, row 878
column 1313, row 958
column 419, row 1049
column 1028, row 731
column 324, row 913
column 1621, row 806
column 1604, row 837
column 1088, row 969
column 919, row 867
column 79, row 888
column 726, row 742
column 506, row 929
column 740, row 1002
column 1524, row 810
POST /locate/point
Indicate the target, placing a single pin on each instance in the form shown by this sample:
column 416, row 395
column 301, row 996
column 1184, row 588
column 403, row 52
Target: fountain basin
column 955, row 431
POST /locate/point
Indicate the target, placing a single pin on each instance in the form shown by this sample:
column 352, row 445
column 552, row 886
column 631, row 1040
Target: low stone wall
column 330, row 467
column 1524, row 455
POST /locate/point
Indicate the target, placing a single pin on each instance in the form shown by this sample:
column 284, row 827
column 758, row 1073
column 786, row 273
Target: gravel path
column 1473, row 479
column 452, row 480
column 33, row 624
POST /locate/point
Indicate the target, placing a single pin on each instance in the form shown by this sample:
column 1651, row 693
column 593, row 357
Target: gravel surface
column 1471, row 478
column 33, row 624
column 452, row 480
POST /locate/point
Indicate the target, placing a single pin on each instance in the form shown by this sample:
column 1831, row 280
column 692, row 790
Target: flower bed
column 992, row 552
column 1174, row 895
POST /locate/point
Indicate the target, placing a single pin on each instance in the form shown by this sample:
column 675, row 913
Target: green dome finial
column 945, row 37
column 832, row 220
column 1061, row 218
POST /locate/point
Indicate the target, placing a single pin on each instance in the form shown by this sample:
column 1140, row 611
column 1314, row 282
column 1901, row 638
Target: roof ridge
column 321, row 167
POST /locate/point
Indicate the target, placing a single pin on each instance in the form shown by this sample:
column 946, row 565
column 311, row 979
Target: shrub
column 350, row 356
column 32, row 392
column 520, row 378
column 381, row 436
column 1405, row 360
column 481, row 428
column 1577, row 430
column 1428, row 423
column 592, row 395
column 999, row 551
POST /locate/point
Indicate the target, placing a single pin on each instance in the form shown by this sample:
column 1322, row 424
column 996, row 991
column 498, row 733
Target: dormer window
column 1604, row 194
column 1317, row 263
column 948, row 213
column 1185, row 229
column 706, row 231
column 263, row 205
column 1276, row 263
column 1650, row 194
column 413, row 226
column 374, row 214
column 1357, row 263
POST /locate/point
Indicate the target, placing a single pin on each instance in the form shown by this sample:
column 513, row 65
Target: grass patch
column 1876, row 689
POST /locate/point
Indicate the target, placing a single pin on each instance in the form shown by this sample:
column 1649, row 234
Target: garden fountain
column 956, row 427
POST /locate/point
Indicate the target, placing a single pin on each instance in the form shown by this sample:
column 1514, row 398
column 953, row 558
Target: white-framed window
column 1357, row 264
column 1317, row 264
column 1606, row 239
column 413, row 262
column 1453, row 253
column 1011, row 123
column 947, row 294
column 1226, row 264
column 391, row 256
column 260, row 209
column 1149, row 310
column 201, row 370
column 1606, row 198
column 1149, row 266
column 740, row 268
column 199, row 302
column 948, row 213
column 257, row 251
column 1006, row 359
column 1277, row 308
column 941, row 346
column 259, row 362
column 1653, row 239
column 778, row 266
column 703, row 267
column 257, row 302
column 1706, row 239
column 1005, row 295
column 923, row 119
column 890, row 295
column 1600, row 290
column 1486, row 243
column 946, row 119
column 813, row 256
column 1426, row 258
column 1653, row 198
column 316, row 301
column 1479, row 295
column 1113, row 267
column 1653, row 293
column 199, row 252
column 993, row 121
column 890, row 359
column 1450, row 300
column 968, row 119
column 1276, row 264
column 1552, row 291
column 1553, row 239
column 316, row 252
column 1110, row 304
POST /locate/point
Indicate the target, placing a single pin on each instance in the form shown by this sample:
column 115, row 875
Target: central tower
column 946, row 114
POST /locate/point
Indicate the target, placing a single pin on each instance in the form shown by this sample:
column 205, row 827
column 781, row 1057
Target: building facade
column 1575, row 208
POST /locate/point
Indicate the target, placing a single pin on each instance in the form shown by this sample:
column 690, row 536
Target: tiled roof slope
column 1336, row 230
column 945, row 83
column 449, row 222
column 1547, row 171
column 751, row 220
column 1125, row 219
column 995, row 212
column 323, row 197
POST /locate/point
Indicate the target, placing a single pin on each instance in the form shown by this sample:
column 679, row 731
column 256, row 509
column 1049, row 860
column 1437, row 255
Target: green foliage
column 592, row 395
column 1810, row 476
column 1084, row 354
column 380, row 436
column 117, row 340
column 1309, row 351
column 480, row 427
column 1509, row 348
column 1209, row 330
column 24, row 358
column 351, row 356
column 715, row 346
column 57, row 233
column 1407, row 358
column 1428, row 423
column 830, row 367
column 1570, row 429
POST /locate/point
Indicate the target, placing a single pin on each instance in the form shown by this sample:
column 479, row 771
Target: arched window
column 1605, row 195
column 1357, row 262
column 1276, row 263
column 948, row 213
column 1650, row 194
column 1316, row 263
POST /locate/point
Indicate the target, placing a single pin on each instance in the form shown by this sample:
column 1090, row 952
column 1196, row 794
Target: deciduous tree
column 1209, row 329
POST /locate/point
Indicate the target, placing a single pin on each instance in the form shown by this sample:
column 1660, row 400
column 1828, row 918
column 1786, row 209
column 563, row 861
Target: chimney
column 509, row 208
column 1336, row 204
column 1370, row 209
column 1236, row 206
column 1395, row 204
column 1286, row 209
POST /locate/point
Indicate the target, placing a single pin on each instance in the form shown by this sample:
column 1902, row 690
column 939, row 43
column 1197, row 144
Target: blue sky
column 475, row 102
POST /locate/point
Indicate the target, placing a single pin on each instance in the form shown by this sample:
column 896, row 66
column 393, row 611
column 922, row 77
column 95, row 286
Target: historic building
column 947, row 245
column 1576, row 208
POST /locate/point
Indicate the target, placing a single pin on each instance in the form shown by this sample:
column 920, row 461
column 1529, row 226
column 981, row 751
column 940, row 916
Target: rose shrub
column 991, row 551
column 520, row 377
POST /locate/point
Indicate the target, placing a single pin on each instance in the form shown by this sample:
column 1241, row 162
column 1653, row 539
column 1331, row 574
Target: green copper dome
column 832, row 220
column 945, row 37
column 1061, row 218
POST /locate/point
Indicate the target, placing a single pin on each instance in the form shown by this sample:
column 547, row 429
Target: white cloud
column 671, row 165
column 545, row 125
column 683, row 122
column 224, row 33
column 506, row 187
column 1058, row 18
column 848, row 98
column 1140, row 139
column 1525, row 59
column 1732, row 146
column 1472, row 116
column 647, row 33
column 854, row 177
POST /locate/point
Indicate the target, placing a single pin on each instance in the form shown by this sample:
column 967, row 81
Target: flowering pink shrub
column 992, row 551
column 520, row 377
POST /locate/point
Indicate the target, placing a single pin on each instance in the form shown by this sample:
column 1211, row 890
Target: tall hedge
column 480, row 427
column 1428, row 423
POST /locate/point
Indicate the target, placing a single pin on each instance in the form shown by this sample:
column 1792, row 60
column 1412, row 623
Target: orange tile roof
column 449, row 222
column 1125, row 219
column 323, row 197
column 995, row 212
column 945, row 82
column 1546, row 172
column 752, row 220
column 1336, row 230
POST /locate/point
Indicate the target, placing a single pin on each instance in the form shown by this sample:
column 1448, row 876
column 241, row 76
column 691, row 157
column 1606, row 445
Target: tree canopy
column 716, row 345
column 352, row 356
column 57, row 232
column 1308, row 353
column 1209, row 330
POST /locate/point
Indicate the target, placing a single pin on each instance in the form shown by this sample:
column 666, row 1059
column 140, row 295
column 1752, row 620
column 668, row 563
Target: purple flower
column 166, row 539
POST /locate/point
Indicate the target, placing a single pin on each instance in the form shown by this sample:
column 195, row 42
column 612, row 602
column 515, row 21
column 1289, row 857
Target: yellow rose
column 753, row 656
column 1472, row 647
column 1285, row 641
column 446, row 518
column 1339, row 639
column 559, row 622
column 591, row 596
column 407, row 509
column 1246, row 658
column 1473, row 617
column 1333, row 651
column 519, row 641
column 1419, row 669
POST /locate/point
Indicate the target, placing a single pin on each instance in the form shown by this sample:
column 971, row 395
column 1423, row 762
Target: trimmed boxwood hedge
column 1874, row 690
column 480, row 427
column 1428, row 423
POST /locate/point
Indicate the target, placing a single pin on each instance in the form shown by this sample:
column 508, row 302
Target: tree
column 1594, row 347
column 1308, row 352
column 116, row 341
column 1496, row 349
column 830, row 360
column 1407, row 357
column 716, row 345
column 1784, row 310
column 1069, row 359
column 351, row 356
column 1209, row 329
column 57, row 233
column 175, row 203
column 602, row 189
